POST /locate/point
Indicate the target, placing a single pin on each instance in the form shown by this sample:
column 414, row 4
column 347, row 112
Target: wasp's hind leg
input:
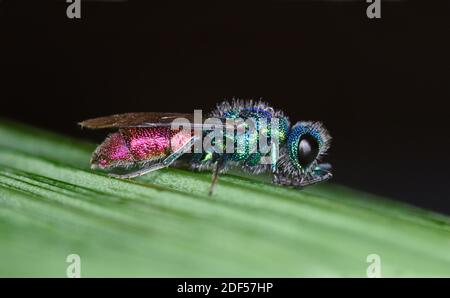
column 160, row 165
column 140, row 172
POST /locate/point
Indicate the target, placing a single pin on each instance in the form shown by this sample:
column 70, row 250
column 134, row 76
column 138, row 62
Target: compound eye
column 308, row 149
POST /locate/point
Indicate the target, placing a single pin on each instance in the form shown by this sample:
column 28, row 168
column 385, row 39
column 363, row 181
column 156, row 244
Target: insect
column 146, row 142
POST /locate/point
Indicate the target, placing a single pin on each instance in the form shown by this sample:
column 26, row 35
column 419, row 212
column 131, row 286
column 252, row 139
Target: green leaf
column 165, row 224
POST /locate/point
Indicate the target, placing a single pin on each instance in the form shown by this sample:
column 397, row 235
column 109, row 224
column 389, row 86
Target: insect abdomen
column 138, row 144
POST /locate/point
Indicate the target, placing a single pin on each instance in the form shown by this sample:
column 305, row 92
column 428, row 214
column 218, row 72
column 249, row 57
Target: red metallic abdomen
column 137, row 144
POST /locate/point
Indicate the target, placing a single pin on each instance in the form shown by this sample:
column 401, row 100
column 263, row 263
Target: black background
column 380, row 86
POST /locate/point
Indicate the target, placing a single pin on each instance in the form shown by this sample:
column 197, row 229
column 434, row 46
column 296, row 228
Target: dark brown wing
column 135, row 120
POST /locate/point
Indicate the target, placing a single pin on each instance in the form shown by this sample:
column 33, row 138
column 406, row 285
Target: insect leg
column 220, row 164
column 321, row 173
column 325, row 167
column 157, row 166
column 323, row 177
column 140, row 172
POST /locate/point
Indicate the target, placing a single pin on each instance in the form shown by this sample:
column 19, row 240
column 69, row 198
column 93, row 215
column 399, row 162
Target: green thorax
column 246, row 144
